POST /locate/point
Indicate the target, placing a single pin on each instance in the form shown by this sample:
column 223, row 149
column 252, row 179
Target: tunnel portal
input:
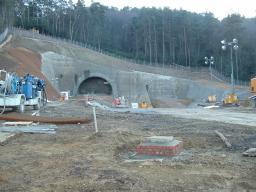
column 95, row 85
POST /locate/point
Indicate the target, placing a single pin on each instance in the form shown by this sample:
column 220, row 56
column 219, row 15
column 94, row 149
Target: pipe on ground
column 40, row 119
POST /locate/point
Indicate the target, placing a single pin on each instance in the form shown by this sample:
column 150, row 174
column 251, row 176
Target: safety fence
column 217, row 75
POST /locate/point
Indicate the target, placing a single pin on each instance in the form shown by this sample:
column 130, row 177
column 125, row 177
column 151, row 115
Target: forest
column 157, row 37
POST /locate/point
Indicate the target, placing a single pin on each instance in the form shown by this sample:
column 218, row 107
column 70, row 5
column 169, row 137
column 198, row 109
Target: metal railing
column 217, row 75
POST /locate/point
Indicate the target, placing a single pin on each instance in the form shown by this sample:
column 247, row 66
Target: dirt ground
column 30, row 62
column 75, row 159
column 23, row 61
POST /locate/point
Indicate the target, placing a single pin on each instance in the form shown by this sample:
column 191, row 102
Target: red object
column 117, row 101
column 160, row 150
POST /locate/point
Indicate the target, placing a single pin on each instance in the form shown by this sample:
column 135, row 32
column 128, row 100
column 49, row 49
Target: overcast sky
column 220, row 8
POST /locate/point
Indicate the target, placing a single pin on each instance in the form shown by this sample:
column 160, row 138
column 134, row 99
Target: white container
column 65, row 95
column 135, row 105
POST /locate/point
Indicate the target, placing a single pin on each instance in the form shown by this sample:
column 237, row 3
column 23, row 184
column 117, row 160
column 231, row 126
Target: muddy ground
column 77, row 160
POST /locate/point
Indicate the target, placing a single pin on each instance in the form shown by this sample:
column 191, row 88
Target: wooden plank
column 143, row 160
column 250, row 152
column 224, row 139
column 30, row 129
column 16, row 123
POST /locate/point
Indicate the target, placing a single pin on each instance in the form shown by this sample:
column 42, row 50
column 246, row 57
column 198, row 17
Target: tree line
column 158, row 37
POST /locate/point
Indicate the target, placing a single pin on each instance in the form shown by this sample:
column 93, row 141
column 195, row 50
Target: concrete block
column 160, row 145
column 159, row 139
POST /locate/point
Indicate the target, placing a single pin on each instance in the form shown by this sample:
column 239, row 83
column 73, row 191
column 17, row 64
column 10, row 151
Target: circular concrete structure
column 95, row 85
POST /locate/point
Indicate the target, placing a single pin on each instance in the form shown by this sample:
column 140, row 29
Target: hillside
column 62, row 63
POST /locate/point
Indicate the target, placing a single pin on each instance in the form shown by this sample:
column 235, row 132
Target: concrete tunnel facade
column 95, row 85
column 82, row 77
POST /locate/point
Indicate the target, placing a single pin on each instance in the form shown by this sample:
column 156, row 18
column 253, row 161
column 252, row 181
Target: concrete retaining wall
column 138, row 86
column 68, row 73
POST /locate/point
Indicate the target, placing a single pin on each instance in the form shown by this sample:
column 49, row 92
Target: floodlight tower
column 209, row 61
column 233, row 45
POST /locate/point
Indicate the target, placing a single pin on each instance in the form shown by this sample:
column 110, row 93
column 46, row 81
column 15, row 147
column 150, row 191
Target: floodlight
column 235, row 47
column 223, row 42
column 235, row 41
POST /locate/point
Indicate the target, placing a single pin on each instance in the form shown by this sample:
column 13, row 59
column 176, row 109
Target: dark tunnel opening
column 95, row 85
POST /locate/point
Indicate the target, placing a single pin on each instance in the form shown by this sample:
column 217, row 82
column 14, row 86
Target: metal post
column 211, row 70
column 232, row 69
column 236, row 67
column 233, row 45
column 209, row 61
column 95, row 120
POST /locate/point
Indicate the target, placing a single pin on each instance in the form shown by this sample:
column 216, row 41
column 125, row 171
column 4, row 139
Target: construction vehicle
column 16, row 92
column 231, row 99
column 253, row 91
column 212, row 99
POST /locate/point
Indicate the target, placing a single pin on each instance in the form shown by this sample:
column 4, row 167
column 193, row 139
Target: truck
column 17, row 92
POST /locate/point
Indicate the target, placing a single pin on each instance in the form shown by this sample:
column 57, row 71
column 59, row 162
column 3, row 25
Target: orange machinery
column 253, row 91
column 253, row 85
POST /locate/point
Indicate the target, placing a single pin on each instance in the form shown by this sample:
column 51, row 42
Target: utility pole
column 209, row 61
column 233, row 45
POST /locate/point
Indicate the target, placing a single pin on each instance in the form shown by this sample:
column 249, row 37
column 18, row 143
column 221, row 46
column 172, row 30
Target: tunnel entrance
column 95, row 85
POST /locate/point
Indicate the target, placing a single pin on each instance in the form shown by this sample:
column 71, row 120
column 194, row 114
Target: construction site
column 108, row 124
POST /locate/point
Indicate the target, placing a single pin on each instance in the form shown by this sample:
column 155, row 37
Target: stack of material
column 160, row 145
column 27, row 127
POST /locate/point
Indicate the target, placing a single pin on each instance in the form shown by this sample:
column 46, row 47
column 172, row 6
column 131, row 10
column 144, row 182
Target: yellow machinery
column 144, row 105
column 212, row 99
column 231, row 99
column 253, row 85
column 253, row 91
